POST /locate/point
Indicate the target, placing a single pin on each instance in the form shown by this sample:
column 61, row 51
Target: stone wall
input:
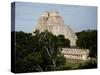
column 75, row 53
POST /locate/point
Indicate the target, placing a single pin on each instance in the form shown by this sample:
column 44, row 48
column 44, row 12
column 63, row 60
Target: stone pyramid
column 53, row 22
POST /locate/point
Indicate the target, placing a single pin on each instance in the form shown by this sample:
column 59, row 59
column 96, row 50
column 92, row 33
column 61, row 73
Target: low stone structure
column 75, row 53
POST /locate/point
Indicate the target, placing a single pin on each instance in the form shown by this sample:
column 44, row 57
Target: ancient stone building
column 75, row 53
column 53, row 22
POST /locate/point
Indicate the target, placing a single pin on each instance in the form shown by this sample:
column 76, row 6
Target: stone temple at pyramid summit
column 54, row 23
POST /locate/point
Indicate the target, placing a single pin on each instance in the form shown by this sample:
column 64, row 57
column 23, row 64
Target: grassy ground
column 74, row 63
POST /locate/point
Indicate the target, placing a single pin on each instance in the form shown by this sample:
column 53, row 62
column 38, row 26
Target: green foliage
column 39, row 52
column 63, row 42
column 88, row 65
column 88, row 39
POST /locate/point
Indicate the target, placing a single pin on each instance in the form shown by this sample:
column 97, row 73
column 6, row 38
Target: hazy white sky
column 77, row 17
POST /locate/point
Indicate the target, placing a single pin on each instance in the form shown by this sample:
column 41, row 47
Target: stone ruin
column 75, row 53
column 53, row 22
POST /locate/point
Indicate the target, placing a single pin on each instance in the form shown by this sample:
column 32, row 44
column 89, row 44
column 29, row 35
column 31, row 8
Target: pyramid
column 53, row 22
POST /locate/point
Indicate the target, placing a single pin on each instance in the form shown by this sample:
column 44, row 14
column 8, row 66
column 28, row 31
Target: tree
column 88, row 39
column 39, row 52
column 62, row 41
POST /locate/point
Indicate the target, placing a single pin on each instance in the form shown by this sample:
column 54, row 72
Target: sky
column 77, row 17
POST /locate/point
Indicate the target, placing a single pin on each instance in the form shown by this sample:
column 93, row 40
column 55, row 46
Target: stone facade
column 53, row 22
column 75, row 53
